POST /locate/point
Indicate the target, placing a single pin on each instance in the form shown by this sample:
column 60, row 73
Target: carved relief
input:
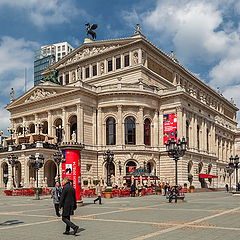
column 39, row 94
column 87, row 52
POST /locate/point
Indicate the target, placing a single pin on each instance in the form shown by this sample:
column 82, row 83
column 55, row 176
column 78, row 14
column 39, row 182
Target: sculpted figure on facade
column 101, row 68
column 135, row 58
column 11, row 95
column 40, row 94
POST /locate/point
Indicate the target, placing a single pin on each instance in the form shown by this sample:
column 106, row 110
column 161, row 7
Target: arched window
column 110, row 131
column 147, row 132
column 130, row 167
column 130, row 130
column 45, row 127
column 31, row 128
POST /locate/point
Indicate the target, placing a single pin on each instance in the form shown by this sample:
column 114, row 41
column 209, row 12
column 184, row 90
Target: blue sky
column 205, row 35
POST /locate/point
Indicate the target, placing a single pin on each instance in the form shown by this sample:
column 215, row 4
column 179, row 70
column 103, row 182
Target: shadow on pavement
column 10, row 222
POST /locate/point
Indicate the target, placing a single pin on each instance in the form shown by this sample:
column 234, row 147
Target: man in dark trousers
column 69, row 204
column 56, row 194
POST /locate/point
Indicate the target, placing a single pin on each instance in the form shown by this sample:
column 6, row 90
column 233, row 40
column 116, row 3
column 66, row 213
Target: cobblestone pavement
column 214, row 215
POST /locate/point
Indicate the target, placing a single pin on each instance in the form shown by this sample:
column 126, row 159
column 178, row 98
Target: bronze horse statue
column 90, row 29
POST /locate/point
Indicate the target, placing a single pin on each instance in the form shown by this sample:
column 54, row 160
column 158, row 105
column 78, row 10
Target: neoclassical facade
column 115, row 94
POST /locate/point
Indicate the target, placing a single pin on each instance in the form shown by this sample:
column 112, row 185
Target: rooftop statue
column 138, row 29
column 90, row 29
column 52, row 78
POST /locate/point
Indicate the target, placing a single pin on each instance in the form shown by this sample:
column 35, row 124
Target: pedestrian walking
column 56, row 194
column 69, row 204
column 99, row 194
column 133, row 190
column 226, row 186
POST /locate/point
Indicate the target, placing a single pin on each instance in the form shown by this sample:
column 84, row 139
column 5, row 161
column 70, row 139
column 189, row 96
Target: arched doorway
column 59, row 130
column 190, row 176
column 151, row 167
column 73, row 126
column 50, row 172
column 130, row 167
column 111, row 168
column 31, row 128
column 18, row 174
column 45, row 127
column 19, row 130
column 4, row 179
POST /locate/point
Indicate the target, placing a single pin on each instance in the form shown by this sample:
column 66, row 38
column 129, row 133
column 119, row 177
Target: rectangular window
column 87, row 72
column 118, row 62
column 63, row 53
column 59, row 48
column 94, row 70
column 126, row 60
column 110, row 66
column 67, row 79
column 63, row 47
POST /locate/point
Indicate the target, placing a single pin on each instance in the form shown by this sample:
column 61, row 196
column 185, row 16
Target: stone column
column 140, row 56
column 120, row 126
column 64, row 79
column 160, row 127
column 94, row 133
column 40, row 176
column 184, row 123
column 154, row 130
column 139, row 128
column 90, row 70
column 10, row 182
column 179, row 121
column 99, row 121
column 113, row 63
column 83, row 73
column 64, row 123
column 70, row 76
column 130, row 58
column 50, row 123
column 36, row 122
column 122, row 60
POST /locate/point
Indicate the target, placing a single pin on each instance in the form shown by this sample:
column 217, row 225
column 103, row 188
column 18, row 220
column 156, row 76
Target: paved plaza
column 211, row 215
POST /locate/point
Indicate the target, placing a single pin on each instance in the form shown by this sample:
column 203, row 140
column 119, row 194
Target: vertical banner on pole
column 169, row 127
column 72, row 168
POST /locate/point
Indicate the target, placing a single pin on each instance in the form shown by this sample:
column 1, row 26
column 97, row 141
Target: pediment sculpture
column 39, row 94
column 90, row 51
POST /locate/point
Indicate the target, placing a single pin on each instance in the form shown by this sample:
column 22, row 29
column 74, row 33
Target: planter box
column 108, row 195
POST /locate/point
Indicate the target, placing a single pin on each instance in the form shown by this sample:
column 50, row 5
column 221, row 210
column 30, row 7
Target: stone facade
column 126, row 79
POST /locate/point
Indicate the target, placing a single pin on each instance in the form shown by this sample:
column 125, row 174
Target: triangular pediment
column 91, row 48
column 40, row 92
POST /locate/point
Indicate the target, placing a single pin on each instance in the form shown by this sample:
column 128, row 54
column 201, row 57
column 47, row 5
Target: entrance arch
column 18, row 174
column 50, row 172
column 4, row 174
column 130, row 166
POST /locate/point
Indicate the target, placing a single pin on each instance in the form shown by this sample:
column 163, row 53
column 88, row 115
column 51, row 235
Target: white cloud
column 45, row 12
column 15, row 56
column 201, row 32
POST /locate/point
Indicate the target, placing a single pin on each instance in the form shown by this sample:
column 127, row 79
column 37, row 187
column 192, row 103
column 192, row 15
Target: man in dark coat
column 69, row 204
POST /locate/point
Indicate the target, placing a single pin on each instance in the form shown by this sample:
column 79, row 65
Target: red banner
column 169, row 127
column 72, row 169
column 131, row 169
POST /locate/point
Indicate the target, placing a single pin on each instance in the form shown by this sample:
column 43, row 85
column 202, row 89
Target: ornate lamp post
column 37, row 162
column 11, row 131
column 229, row 170
column 57, row 157
column 234, row 164
column 176, row 150
column 12, row 160
column 120, row 167
column 108, row 157
column 59, row 131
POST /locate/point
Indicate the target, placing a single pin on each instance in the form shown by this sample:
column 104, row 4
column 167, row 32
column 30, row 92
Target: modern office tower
column 47, row 55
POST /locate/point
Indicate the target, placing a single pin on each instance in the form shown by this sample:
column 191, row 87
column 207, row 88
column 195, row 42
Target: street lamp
column 120, row 167
column 229, row 170
column 57, row 157
column 12, row 160
column 108, row 157
column 37, row 162
column 176, row 150
column 11, row 131
column 234, row 164
column 59, row 131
